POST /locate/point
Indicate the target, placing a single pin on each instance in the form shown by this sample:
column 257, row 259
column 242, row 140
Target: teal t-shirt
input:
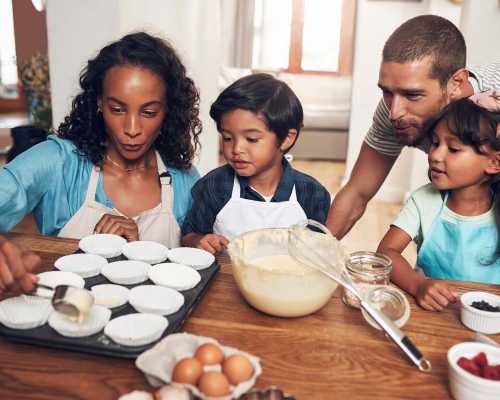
column 51, row 180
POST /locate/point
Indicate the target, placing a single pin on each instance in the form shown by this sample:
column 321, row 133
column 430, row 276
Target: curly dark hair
column 178, row 140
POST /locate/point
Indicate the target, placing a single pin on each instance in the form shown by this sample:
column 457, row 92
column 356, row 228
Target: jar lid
column 368, row 263
column 391, row 302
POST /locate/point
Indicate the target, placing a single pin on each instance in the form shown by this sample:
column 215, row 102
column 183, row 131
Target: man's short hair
column 428, row 36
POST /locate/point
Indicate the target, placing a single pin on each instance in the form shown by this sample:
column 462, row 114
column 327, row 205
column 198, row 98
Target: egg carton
column 158, row 363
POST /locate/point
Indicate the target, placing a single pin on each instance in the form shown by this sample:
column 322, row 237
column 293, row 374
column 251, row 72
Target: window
column 8, row 67
column 304, row 35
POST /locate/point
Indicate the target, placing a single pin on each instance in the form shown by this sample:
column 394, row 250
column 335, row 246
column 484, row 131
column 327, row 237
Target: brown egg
column 237, row 368
column 188, row 370
column 209, row 354
column 214, row 384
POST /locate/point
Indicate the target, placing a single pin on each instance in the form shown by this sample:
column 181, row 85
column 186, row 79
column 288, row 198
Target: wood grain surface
column 332, row 354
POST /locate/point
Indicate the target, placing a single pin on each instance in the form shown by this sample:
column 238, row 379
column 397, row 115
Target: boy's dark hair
column 178, row 139
column 264, row 95
column 428, row 36
column 476, row 127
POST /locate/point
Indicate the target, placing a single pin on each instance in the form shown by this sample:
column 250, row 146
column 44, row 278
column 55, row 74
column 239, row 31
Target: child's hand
column 434, row 295
column 213, row 243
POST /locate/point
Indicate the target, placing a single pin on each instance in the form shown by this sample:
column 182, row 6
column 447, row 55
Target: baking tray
column 100, row 343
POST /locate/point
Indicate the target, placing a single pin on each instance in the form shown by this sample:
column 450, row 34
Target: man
column 422, row 70
column 16, row 268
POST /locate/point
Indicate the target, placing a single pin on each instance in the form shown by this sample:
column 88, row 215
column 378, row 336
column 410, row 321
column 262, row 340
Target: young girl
column 122, row 160
column 453, row 220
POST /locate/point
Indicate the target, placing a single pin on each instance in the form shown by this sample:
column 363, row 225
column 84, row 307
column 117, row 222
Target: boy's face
column 249, row 146
column 412, row 96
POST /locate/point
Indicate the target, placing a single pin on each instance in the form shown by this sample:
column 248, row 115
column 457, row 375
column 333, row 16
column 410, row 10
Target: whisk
column 325, row 254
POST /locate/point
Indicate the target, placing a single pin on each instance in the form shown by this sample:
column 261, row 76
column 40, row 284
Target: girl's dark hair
column 476, row 127
column 264, row 95
column 178, row 140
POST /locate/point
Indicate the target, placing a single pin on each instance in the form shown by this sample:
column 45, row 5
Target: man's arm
column 367, row 176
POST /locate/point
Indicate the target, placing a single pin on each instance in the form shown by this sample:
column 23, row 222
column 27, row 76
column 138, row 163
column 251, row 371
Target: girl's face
column 453, row 164
column 249, row 146
column 133, row 106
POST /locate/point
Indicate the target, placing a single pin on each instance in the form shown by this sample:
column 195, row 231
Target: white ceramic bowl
column 175, row 276
column 126, row 272
column 85, row 265
column 110, row 295
column 464, row 385
column 136, row 329
column 479, row 320
column 102, row 244
column 153, row 299
column 148, row 252
column 196, row 258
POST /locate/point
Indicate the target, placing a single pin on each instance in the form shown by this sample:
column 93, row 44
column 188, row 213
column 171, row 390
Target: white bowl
column 23, row 312
column 85, row 265
column 479, row 320
column 464, row 385
column 110, row 295
column 95, row 321
column 102, row 244
column 126, row 272
column 136, row 329
column 155, row 299
column 196, row 258
column 175, row 276
column 148, row 252
column 56, row 278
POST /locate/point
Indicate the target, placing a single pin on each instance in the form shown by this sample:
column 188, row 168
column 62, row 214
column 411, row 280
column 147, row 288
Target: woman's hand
column 118, row 225
column 17, row 267
column 213, row 243
column 433, row 295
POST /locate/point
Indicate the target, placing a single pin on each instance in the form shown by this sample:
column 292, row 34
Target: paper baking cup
column 84, row 265
column 56, row 278
column 23, row 313
column 102, row 244
column 95, row 321
column 148, row 252
column 155, row 299
column 136, row 329
column 196, row 258
column 110, row 295
column 126, row 272
column 174, row 276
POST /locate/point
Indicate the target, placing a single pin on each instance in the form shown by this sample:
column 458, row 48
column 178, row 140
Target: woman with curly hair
column 122, row 160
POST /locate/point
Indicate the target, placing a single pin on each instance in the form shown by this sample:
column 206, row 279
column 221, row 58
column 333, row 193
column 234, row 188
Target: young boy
column 259, row 118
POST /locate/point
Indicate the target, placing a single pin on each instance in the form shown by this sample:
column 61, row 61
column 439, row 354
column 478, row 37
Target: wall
column 480, row 24
column 30, row 30
column 78, row 29
column 410, row 168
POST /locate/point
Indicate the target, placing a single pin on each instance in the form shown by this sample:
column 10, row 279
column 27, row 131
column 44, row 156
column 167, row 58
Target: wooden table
column 331, row 354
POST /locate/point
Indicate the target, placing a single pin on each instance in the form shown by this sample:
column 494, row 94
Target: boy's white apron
column 157, row 224
column 241, row 215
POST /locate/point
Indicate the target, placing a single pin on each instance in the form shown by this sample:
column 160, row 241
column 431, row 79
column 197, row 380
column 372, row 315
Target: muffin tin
column 100, row 343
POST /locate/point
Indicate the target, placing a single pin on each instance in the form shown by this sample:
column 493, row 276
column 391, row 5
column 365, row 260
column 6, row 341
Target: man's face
column 412, row 97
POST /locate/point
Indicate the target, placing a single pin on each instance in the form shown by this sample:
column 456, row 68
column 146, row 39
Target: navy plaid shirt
column 213, row 191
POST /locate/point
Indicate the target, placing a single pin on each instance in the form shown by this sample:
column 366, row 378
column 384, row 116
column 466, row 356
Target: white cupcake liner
column 126, row 272
column 136, row 329
column 102, row 244
column 174, row 276
column 110, row 295
column 196, row 258
column 56, row 278
column 155, row 299
column 145, row 251
column 82, row 264
column 22, row 312
column 95, row 321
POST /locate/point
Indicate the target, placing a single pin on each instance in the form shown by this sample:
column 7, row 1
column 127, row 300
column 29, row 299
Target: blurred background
column 328, row 51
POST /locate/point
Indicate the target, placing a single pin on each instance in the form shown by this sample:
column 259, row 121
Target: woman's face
column 133, row 106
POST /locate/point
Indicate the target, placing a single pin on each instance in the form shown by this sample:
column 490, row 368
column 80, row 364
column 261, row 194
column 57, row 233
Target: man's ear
column 493, row 166
column 289, row 141
column 458, row 85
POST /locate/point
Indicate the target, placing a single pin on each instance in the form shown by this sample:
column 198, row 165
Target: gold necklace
column 123, row 168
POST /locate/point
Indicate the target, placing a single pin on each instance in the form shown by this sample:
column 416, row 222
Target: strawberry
column 469, row 365
column 491, row 372
column 481, row 360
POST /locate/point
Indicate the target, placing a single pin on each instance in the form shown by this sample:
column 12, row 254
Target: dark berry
column 485, row 306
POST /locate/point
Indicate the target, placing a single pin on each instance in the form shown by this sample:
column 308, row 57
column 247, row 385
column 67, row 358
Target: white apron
column 241, row 215
column 157, row 224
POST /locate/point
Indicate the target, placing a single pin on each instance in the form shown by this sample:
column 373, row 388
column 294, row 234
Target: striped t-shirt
column 381, row 135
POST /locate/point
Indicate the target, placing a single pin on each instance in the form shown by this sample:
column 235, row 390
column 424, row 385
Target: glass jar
column 366, row 270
